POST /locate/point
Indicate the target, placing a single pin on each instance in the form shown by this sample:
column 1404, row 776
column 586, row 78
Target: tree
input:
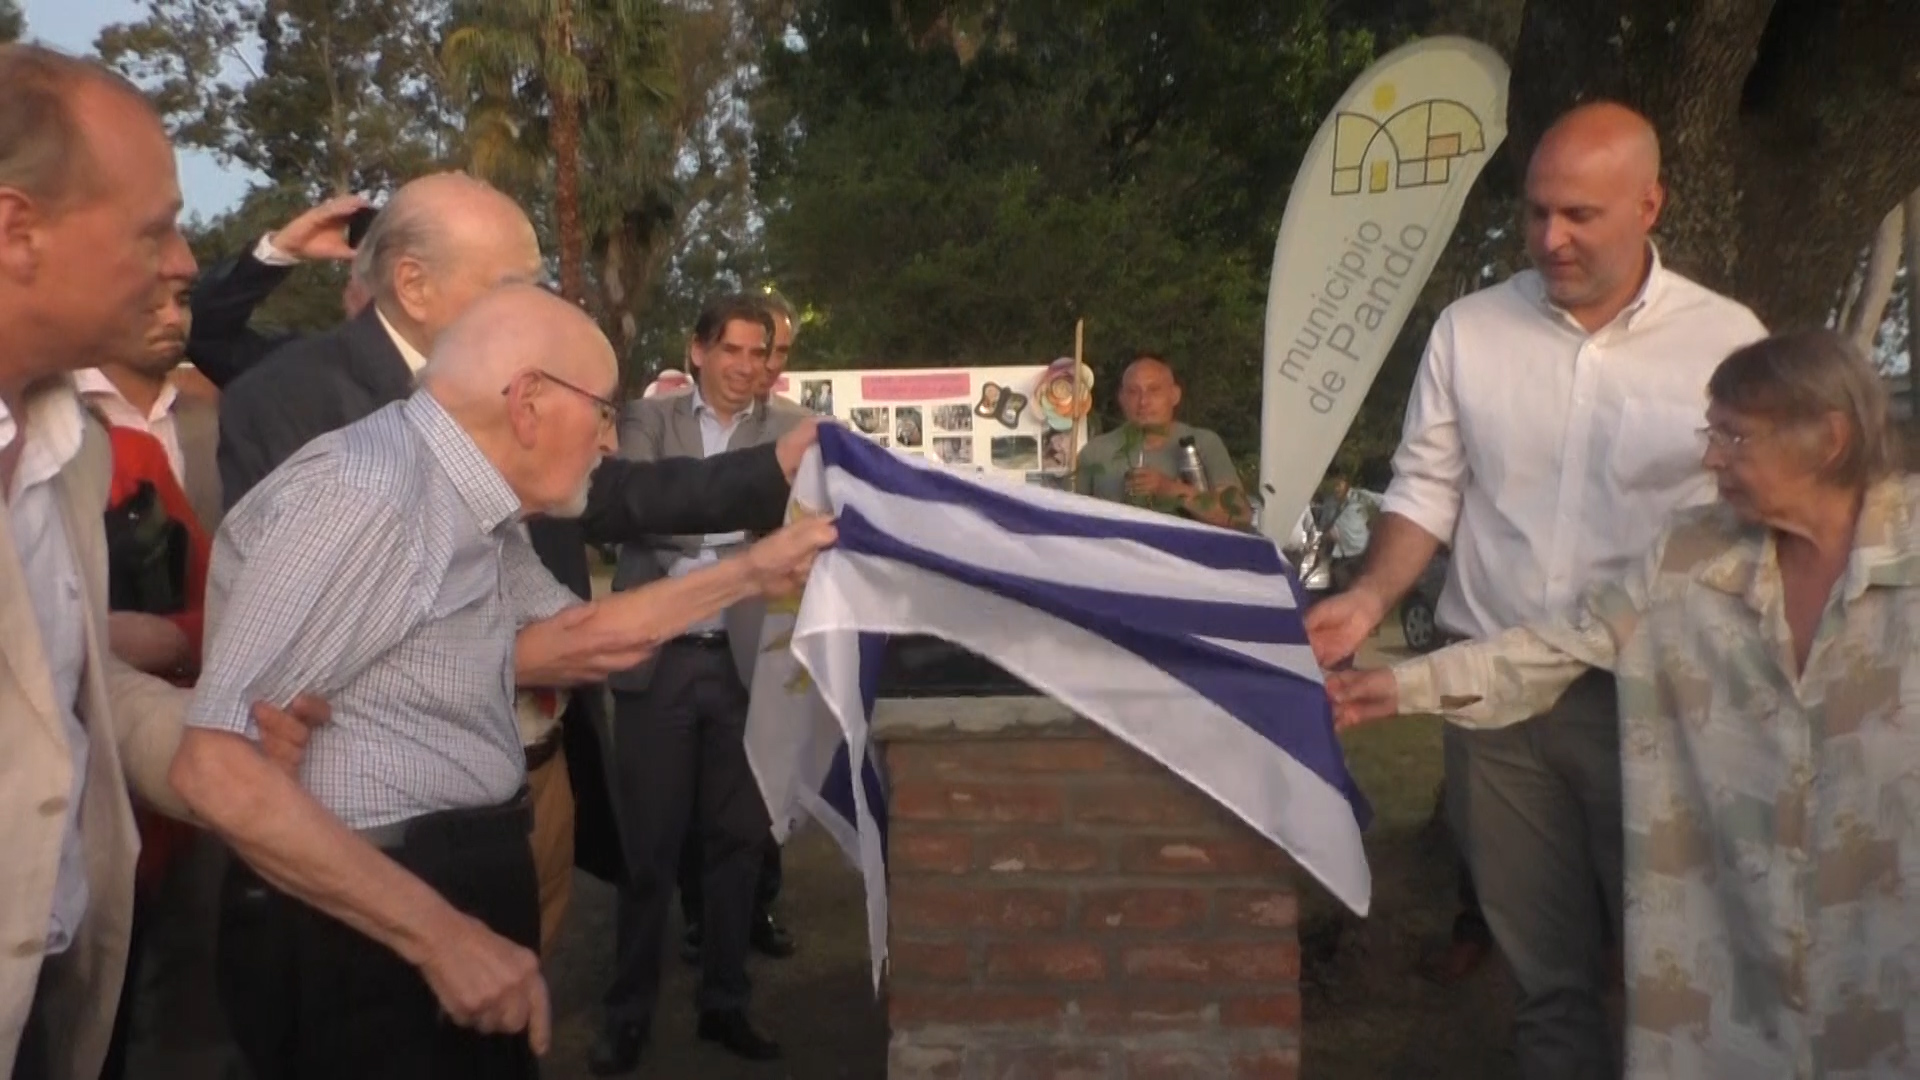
column 524, row 67
column 345, row 95
column 958, row 184
column 1787, row 124
column 13, row 23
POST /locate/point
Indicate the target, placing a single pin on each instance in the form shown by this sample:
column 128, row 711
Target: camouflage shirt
column 1772, row 822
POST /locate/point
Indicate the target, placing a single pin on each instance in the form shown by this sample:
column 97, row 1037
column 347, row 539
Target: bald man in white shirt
column 1553, row 426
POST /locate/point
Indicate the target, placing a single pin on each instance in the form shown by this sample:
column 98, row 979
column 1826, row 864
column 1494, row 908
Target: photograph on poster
column 869, row 419
column 953, row 451
column 956, row 418
column 817, row 395
column 906, row 425
column 1055, row 449
column 1015, row 452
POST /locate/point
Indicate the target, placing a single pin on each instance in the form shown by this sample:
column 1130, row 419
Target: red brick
column 910, row 1062
column 993, row 759
column 910, row 1007
column 917, row 850
column 1247, row 962
column 1059, row 961
column 1140, row 802
column 1142, row 909
column 1141, row 1011
column 1172, row 1064
column 1260, row 909
column 1040, row 853
column 1200, row 855
column 1051, row 1063
column 918, row 904
column 930, row 961
column 940, row 801
column 1271, row 1064
column 1280, row 1012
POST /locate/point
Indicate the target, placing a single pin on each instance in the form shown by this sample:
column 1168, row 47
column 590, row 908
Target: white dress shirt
column 55, row 426
column 158, row 421
column 715, row 435
column 415, row 360
column 1550, row 457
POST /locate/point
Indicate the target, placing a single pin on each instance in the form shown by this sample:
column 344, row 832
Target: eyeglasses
column 608, row 408
column 1722, row 439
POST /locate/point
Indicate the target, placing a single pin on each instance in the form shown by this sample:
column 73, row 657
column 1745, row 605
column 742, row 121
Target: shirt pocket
column 470, row 579
column 1657, row 446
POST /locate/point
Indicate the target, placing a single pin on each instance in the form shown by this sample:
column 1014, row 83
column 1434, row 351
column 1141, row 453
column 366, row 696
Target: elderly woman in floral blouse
column 1768, row 659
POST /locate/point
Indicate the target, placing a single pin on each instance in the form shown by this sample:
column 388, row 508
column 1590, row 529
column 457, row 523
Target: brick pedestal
column 1062, row 906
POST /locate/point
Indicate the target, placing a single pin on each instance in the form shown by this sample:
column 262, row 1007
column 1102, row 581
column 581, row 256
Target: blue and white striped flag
column 1183, row 640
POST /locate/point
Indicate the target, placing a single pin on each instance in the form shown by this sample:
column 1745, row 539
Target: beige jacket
column 133, row 721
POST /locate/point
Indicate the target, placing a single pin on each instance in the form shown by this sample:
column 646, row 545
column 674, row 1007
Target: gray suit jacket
column 665, row 427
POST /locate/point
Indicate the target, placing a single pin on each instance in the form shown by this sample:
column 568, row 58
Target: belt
column 454, row 825
column 703, row 639
column 545, row 750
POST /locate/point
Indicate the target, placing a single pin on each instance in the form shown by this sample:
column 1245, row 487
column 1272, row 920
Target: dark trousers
column 678, row 755
column 766, row 889
column 310, row 998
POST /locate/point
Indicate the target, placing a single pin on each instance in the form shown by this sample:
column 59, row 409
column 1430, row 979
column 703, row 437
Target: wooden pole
column 1073, row 432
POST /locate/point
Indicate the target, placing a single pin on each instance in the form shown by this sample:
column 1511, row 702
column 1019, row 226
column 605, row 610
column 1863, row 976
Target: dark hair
column 719, row 311
column 1798, row 378
column 43, row 148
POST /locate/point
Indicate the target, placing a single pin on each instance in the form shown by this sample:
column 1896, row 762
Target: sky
column 208, row 186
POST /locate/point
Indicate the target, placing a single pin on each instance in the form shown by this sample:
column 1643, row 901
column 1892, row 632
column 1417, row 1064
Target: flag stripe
column 1291, row 712
column 1217, row 549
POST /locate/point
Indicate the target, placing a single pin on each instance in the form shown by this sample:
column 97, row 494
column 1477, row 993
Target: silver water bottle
column 1191, row 469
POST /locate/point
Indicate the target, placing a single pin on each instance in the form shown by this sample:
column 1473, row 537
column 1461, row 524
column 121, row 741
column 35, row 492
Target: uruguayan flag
column 1183, row 640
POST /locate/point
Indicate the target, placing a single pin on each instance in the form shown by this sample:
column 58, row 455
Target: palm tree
column 532, row 71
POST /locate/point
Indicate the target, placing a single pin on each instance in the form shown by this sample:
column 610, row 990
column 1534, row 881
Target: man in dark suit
column 440, row 244
column 223, row 343
column 682, row 714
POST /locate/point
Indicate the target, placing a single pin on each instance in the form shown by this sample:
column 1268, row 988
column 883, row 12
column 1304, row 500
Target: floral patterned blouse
column 1772, row 821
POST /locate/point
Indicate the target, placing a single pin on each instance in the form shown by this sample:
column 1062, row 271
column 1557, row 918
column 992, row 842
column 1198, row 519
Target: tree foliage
column 13, row 22
column 959, row 185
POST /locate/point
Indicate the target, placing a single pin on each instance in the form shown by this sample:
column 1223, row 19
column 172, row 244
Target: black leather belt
column 456, row 826
column 705, row 639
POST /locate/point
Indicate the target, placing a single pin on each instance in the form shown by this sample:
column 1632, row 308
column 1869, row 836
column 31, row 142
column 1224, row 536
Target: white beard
column 575, row 506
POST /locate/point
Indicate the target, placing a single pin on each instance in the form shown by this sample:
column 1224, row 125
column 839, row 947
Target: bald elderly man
column 440, row 243
column 390, row 889
column 1552, row 429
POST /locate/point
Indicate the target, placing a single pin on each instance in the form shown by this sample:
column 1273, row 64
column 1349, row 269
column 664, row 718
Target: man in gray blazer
column 680, row 717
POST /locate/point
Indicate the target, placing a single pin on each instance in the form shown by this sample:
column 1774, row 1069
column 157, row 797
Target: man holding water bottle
column 1155, row 461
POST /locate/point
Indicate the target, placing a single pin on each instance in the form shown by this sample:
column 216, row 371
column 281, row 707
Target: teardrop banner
column 1375, row 201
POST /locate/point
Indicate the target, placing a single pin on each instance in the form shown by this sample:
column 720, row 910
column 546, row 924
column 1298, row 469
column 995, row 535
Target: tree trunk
column 566, row 171
column 1787, row 126
column 1862, row 315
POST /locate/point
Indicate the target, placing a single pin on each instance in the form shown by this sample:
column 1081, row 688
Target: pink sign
column 916, row 388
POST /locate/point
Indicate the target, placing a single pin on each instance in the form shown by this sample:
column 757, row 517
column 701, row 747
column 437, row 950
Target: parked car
column 1417, row 623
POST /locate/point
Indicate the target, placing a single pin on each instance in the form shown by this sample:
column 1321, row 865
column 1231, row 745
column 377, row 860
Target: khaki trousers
column 552, row 795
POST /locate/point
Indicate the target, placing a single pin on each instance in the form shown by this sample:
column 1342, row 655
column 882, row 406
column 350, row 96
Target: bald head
column 531, row 378
column 1593, row 198
column 1148, row 392
column 438, row 245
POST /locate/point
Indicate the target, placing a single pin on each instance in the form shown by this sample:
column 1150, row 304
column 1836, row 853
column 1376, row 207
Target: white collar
column 415, row 361
column 92, row 382
column 56, row 426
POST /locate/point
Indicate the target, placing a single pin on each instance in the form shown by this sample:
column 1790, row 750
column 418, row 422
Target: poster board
column 983, row 419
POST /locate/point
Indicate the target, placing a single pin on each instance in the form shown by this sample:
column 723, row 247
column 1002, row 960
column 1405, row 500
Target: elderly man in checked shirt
column 384, row 918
